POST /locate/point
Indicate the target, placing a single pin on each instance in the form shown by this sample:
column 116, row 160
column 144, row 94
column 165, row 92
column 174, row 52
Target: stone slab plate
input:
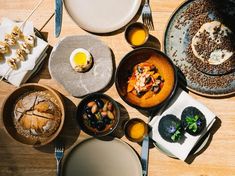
column 81, row 84
column 176, row 40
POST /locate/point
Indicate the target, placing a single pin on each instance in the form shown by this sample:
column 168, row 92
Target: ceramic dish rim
column 102, row 31
column 180, row 76
column 62, row 108
column 93, row 138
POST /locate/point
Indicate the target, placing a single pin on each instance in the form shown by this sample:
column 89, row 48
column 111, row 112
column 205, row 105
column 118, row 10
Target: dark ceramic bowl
column 8, row 109
column 125, row 70
column 84, row 120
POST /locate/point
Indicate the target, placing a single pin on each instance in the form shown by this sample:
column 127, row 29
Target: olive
column 87, row 109
column 100, row 125
column 106, row 120
column 91, row 116
column 139, row 69
column 155, row 89
column 100, row 103
column 93, row 123
column 140, row 94
column 148, row 80
column 153, row 68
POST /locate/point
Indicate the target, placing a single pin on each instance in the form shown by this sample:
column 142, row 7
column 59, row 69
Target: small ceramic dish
column 98, row 115
column 135, row 129
column 136, row 34
column 33, row 114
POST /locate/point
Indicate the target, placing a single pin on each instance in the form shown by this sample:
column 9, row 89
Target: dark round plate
column 176, row 42
column 81, row 111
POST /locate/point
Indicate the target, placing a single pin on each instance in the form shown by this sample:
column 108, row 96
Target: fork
column 59, row 153
column 147, row 15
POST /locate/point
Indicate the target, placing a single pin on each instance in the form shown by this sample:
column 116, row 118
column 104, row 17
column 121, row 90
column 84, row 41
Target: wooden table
column 20, row 160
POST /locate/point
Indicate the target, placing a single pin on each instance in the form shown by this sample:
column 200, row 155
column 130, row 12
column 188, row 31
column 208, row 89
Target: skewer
column 31, row 14
column 7, row 72
column 36, row 7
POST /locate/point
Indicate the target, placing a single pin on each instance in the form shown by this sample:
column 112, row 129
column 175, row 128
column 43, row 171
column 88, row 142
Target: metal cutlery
column 145, row 155
column 147, row 15
column 58, row 16
column 145, row 142
column 59, row 153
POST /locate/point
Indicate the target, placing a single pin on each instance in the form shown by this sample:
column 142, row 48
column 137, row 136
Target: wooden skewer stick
column 7, row 72
column 10, row 69
column 31, row 13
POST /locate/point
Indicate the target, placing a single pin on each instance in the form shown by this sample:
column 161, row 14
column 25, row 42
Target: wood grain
column 18, row 160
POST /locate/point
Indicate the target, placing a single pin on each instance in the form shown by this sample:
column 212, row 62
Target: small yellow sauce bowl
column 136, row 34
column 135, row 129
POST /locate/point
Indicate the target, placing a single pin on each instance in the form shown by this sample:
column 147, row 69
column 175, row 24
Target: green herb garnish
column 192, row 123
column 177, row 135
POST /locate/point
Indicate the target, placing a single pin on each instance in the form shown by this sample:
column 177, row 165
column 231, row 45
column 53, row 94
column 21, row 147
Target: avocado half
column 193, row 120
column 170, row 128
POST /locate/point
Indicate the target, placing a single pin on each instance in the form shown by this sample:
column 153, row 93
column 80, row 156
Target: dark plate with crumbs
column 201, row 77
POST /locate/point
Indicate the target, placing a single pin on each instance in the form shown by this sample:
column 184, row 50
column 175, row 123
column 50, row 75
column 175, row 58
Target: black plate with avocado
column 170, row 128
column 193, row 120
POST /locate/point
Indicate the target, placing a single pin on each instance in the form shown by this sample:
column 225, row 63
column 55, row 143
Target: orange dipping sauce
column 137, row 36
column 135, row 130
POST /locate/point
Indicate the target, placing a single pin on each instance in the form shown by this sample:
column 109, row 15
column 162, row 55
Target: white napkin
column 17, row 77
column 179, row 103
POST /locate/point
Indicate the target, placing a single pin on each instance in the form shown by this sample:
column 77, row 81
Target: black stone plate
column 176, row 42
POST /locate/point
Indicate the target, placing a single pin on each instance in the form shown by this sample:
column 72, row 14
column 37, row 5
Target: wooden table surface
column 20, row 160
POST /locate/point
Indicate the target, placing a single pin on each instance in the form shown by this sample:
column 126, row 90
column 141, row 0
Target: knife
column 145, row 143
column 145, row 155
column 58, row 16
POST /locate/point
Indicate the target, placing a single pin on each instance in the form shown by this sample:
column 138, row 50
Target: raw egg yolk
column 80, row 58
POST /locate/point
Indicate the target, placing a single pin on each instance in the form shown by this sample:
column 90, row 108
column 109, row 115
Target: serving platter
column 81, row 84
column 94, row 157
column 102, row 16
column 176, row 42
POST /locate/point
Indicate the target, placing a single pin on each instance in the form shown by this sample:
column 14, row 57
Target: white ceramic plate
column 94, row 157
column 102, row 16
column 196, row 150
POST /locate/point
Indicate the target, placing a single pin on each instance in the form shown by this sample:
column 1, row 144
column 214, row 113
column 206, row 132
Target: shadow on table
column 124, row 117
column 153, row 42
column 42, row 71
column 136, row 17
column 119, row 131
column 70, row 131
column 194, row 153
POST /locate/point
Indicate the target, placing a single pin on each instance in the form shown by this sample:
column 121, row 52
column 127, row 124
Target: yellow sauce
column 80, row 58
column 137, row 36
column 136, row 130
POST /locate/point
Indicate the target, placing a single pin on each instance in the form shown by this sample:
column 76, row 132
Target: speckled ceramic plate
column 94, row 157
column 81, row 84
column 102, row 16
column 176, row 42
